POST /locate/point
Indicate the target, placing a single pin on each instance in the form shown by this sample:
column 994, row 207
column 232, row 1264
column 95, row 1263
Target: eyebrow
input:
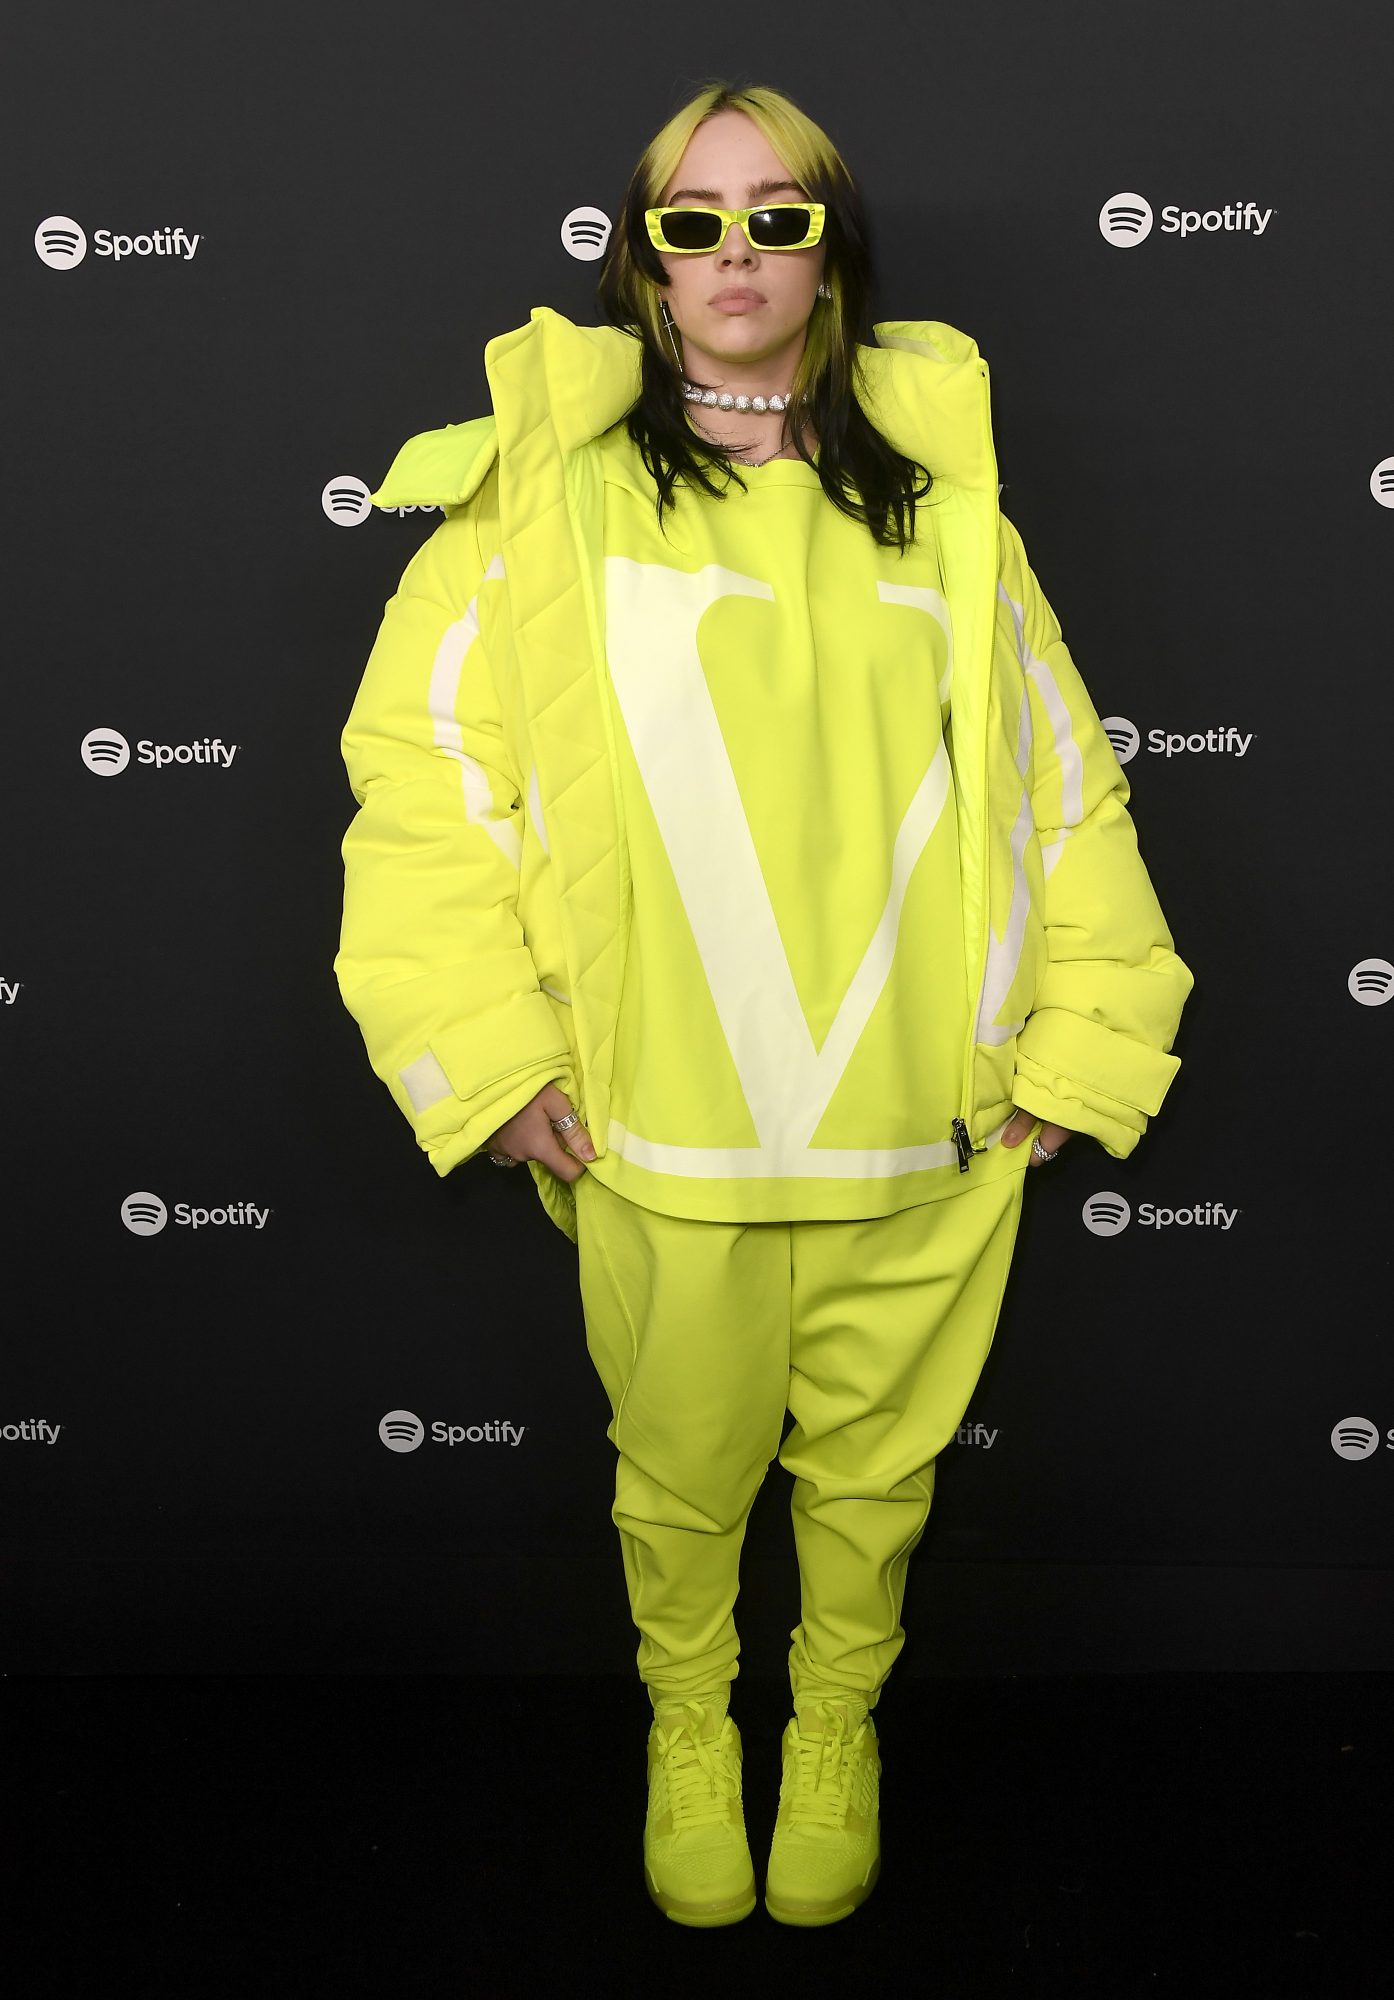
column 754, row 191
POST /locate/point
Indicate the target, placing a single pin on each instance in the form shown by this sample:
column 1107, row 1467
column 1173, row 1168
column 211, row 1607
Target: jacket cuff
column 1075, row 1072
column 504, row 1100
column 1061, row 1107
column 1097, row 1059
column 459, row 1093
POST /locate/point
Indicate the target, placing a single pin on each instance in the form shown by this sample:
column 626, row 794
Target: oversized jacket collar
column 933, row 407
column 555, row 386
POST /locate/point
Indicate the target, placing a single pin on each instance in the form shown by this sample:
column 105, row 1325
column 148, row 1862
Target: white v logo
column 652, row 613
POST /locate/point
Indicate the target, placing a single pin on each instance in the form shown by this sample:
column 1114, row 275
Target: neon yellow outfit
column 793, row 966
column 488, row 903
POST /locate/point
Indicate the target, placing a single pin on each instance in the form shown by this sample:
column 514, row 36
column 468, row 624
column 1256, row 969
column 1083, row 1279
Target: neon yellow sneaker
column 826, row 1852
column 696, row 1860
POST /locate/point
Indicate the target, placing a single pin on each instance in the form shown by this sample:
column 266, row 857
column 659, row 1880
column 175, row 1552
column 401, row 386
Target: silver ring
column 1040, row 1152
column 557, row 1124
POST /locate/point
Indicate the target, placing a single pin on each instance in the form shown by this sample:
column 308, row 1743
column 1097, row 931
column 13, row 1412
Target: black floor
column 1129, row 1836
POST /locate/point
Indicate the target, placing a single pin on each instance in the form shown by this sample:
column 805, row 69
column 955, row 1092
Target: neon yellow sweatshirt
column 795, row 998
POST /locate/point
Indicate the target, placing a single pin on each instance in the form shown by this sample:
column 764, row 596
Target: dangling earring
column 668, row 323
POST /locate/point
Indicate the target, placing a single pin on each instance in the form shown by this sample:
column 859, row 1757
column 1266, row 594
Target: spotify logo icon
column 1372, row 982
column 1107, row 1214
column 60, row 242
column 1126, row 220
column 144, row 1214
column 1125, row 736
column 106, row 752
column 1354, row 1437
column 401, row 1430
column 586, row 233
column 345, row 500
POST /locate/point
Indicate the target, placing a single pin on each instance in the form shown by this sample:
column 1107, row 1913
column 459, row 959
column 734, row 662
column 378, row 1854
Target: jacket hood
column 924, row 386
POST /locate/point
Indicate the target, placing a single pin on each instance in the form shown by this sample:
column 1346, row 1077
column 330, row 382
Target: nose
column 736, row 239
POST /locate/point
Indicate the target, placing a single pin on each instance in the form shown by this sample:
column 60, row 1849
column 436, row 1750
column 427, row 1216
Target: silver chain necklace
column 722, row 444
column 726, row 401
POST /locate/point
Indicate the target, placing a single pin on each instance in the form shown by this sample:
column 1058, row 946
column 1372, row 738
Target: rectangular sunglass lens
column 692, row 228
column 778, row 228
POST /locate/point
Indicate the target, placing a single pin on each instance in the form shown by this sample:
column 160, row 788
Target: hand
column 1019, row 1125
column 528, row 1135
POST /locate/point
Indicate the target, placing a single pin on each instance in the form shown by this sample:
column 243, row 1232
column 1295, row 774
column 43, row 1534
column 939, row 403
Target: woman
column 739, row 846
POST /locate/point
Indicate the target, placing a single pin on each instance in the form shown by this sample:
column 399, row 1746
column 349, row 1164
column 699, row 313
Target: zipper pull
column 965, row 1145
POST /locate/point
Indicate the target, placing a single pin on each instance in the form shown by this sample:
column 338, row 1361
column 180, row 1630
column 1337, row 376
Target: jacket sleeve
column 432, row 962
column 1094, row 1053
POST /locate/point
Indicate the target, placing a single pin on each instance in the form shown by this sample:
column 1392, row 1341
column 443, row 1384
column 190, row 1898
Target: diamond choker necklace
column 724, row 400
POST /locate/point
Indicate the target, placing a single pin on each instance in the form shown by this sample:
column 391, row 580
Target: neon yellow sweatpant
column 872, row 1333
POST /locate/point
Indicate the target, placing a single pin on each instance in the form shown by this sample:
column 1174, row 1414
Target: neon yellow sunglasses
column 781, row 225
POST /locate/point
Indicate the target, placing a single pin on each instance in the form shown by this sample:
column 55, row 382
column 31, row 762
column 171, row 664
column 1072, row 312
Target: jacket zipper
column 966, row 1148
column 962, row 1137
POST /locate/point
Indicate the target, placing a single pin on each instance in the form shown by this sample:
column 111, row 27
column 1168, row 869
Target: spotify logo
column 403, row 1430
column 1107, row 1214
column 60, row 242
column 1123, row 735
column 1382, row 482
column 346, row 501
column 106, row 752
column 400, row 1430
column 1371, row 982
column 1354, row 1437
column 1125, row 220
column 586, row 233
column 1221, row 740
column 144, row 1214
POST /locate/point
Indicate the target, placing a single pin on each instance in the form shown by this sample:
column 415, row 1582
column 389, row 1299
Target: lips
column 736, row 295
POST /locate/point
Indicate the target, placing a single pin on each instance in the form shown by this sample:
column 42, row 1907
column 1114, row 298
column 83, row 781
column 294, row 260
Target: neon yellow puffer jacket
column 483, row 704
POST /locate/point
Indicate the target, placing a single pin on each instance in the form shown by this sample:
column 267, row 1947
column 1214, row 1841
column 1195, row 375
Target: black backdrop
column 1181, row 1453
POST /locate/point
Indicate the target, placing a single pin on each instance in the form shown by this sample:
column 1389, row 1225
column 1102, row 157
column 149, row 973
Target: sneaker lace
column 822, row 1774
column 700, row 1781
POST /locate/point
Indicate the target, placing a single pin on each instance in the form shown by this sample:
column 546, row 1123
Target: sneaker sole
column 701, row 1916
column 810, row 1914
